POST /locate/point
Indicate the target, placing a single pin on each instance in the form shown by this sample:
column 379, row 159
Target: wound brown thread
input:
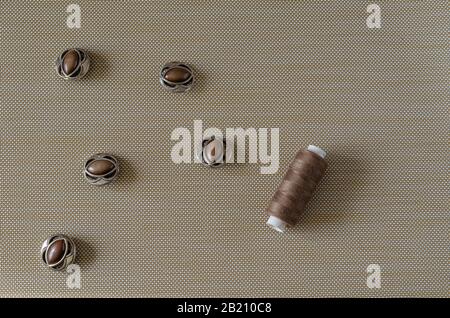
column 296, row 188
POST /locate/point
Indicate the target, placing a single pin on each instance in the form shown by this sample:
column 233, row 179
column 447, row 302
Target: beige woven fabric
column 375, row 99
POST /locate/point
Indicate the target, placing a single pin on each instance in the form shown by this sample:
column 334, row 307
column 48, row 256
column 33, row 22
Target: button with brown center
column 72, row 64
column 176, row 77
column 214, row 152
column 101, row 169
column 58, row 251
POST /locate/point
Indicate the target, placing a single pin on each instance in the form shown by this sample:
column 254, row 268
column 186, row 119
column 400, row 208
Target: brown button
column 55, row 252
column 213, row 151
column 70, row 61
column 100, row 167
column 177, row 75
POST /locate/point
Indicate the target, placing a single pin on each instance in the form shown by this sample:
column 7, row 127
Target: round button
column 72, row 64
column 176, row 77
column 101, row 169
column 58, row 251
column 214, row 152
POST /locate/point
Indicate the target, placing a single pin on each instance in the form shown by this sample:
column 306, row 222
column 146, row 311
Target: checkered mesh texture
column 375, row 99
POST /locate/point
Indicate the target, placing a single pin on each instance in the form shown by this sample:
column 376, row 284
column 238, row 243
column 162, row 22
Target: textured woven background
column 375, row 99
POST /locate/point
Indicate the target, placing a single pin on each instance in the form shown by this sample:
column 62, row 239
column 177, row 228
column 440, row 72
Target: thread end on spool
column 318, row 151
column 276, row 224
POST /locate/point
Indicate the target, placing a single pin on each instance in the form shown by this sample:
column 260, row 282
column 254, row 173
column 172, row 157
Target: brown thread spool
column 296, row 189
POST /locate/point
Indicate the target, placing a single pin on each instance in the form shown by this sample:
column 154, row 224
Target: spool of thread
column 296, row 188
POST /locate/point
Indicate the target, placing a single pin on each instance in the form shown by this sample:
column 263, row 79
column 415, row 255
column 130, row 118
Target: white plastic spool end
column 318, row 151
column 277, row 224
